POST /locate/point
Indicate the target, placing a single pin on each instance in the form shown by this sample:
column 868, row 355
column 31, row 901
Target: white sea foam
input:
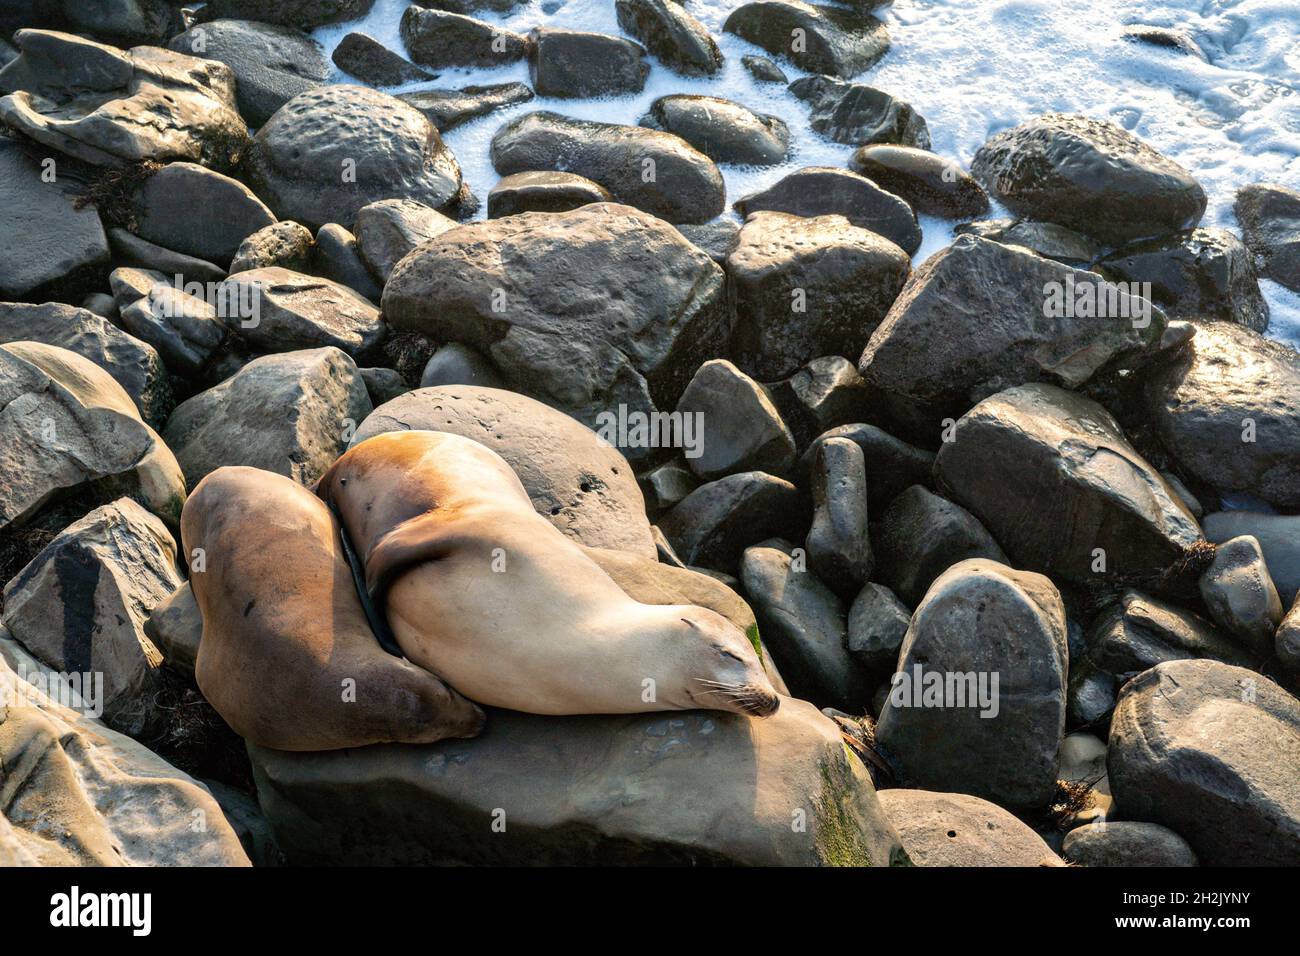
column 973, row 67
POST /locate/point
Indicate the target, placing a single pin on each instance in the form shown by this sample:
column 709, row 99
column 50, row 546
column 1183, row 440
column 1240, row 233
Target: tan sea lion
column 287, row 658
column 487, row 594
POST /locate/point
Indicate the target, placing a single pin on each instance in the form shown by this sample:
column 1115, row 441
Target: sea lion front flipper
column 287, row 657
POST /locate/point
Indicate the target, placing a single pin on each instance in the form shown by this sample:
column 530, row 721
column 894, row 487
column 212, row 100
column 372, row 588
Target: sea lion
column 286, row 657
column 486, row 593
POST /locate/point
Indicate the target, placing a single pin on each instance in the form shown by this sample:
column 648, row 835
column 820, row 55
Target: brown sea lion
column 486, row 593
column 287, row 658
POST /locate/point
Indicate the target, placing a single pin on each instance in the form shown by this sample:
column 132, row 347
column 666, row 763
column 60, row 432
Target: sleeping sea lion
column 286, row 657
column 483, row 591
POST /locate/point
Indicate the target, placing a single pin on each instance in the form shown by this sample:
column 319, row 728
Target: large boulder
column 1055, row 481
column 671, row 34
column 808, row 287
column 295, row 311
column 1126, row 843
column 587, row 790
column 1212, row 752
column 87, row 795
column 820, row 39
column 64, row 250
column 133, row 364
column 520, row 290
column 739, row 427
column 650, row 169
column 85, row 99
column 1270, row 225
column 578, row 482
column 956, row 829
column 198, row 212
column 67, row 429
column 574, row 63
column 81, row 604
column 1228, row 410
column 437, row 38
column 318, row 398
column 331, row 150
column 946, row 724
column 272, row 63
column 1090, row 175
column 723, row 130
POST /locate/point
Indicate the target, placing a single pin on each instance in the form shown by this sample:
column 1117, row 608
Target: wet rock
column 198, row 212
column 980, row 619
column 824, row 394
column 857, row 114
column 1278, row 537
column 739, row 429
column 1240, row 594
column 133, row 364
column 388, row 230
column 721, row 129
column 635, row 768
column 582, row 485
column 1202, row 275
column 81, row 604
column 1089, row 175
column 629, row 344
column 718, row 239
column 63, row 251
column 716, row 522
column 956, row 829
column 573, row 63
column 295, row 311
column 71, row 431
column 337, row 257
column 686, row 187
column 764, row 70
column 892, row 464
column 456, row 364
column 287, row 245
column 371, row 62
column 447, row 109
column 315, row 394
column 543, row 191
column 84, row 99
column 671, row 35
column 1126, row 843
column 1047, row 239
column 1138, row 632
column 839, row 550
column 1270, row 224
column 332, row 150
column 827, row 191
column 927, row 182
column 1228, row 411
column 89, row 796
column 272, row 63
column 878, row 621
column 803, row 626
column 130, row 250
column 303, row 14
column 808, row 287
column 1052, row 477
column 835, row 40
column 938, row 349
column 1212, row 752
column 440, row 39
column 122, row 22
column 922, row 535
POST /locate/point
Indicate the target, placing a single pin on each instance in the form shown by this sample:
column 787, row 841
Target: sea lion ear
column 687, row 621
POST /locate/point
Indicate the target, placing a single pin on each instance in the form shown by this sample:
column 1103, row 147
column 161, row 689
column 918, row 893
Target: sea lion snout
column 730, row 677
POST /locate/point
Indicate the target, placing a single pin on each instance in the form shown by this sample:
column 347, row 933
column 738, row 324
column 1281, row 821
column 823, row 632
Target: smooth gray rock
column 122, row 22
column 803, row 626
column 825, row 393
column 1212, row 752
column 839, row 550
column 713, row 525
column 447, row 109
column 835, row 40
column 686, row 186
column 543, row 191
column 389, row 229
column 1278, row 537
column 1052, row 477
column 722, row 130
column 764, row 70
column 857, row 114
column 667, row 484
column 1090, row 175
column 1126, row 843
column 1240, row 594
column 198, row 212
column 439, row 39
column 383, row 385
column 892, row 464
column 574, row 63
column 368, row 60
column 580, row 484
column 878, row 622
column 671, row 35
column 1047, row 239
column 980, row 619
column 184, row 328
column 927, row 182
column 717, row 238
column 336, row 256
column 130, row 250
column 1139, row 631
column 1270, row 224
column 956, row 829
column 296, row 311
column 330, row 151
column 456, row 364
column 829, row 191
column 808, row 287
column 739, row 429
column 319, row 398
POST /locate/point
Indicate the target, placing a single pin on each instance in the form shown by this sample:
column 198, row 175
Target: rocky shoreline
column 1016, row 528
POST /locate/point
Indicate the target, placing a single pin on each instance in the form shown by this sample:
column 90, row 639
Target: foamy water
column 973, row 67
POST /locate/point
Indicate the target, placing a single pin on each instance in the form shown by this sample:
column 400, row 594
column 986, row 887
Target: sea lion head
column 720, row 668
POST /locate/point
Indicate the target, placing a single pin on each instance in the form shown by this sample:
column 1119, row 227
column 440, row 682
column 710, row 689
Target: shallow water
column 973, row 67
